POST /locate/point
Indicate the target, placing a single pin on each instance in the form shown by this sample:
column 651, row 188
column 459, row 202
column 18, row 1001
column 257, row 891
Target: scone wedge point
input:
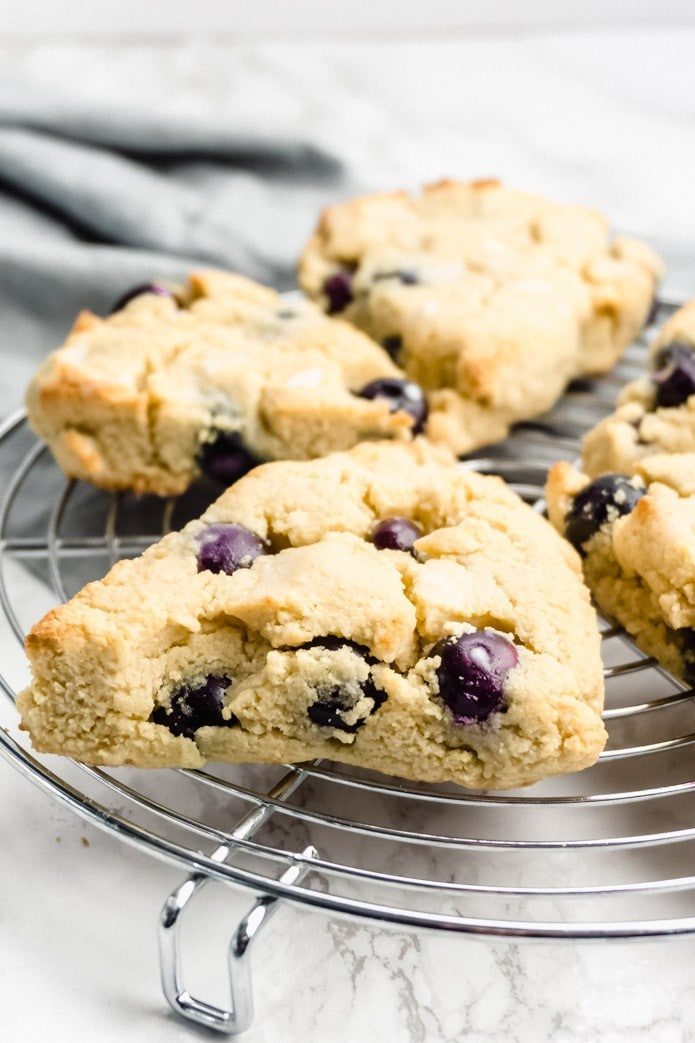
column 382, row 607
column 636, row 533
column 490, row 298
column 212, row 376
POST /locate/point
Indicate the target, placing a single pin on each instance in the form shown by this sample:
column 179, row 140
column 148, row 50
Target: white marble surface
column 78, row 961
column 600, row 118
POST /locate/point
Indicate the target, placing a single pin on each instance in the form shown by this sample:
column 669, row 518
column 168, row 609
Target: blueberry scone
column 381, row 607
column 637, row 537
column 490, row 299
column 655, row 414
column 212, row 376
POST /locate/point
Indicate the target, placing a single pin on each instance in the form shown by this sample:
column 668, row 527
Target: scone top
column 213, row 375
column 492, row 299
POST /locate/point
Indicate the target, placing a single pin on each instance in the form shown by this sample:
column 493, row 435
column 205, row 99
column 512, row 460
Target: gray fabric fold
column 96, row 197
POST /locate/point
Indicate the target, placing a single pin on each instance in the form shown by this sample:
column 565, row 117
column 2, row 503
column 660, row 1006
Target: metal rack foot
column 239, row 1016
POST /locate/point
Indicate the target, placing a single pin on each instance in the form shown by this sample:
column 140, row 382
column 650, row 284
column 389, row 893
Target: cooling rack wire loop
column 605, row 854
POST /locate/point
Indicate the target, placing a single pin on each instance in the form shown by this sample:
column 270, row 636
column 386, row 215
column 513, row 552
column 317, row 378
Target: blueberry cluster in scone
column 212, row 377
column 490, row 298
column 656, row 413
column 382, row 607
column 636, row 534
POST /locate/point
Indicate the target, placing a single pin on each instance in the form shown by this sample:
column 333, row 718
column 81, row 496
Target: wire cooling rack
column 607, row 853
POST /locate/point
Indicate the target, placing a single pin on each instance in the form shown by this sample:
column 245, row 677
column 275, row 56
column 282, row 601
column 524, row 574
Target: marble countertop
column 601, row 118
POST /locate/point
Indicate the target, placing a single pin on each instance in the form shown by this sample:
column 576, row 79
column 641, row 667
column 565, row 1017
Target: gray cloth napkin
column 95, row 198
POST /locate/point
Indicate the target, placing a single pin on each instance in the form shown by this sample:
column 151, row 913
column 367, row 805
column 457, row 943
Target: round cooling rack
column 606, row 853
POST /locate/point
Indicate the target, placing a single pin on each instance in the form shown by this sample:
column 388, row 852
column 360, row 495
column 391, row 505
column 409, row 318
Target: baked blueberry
column 193, row 708
column 392, row 346
column 406, row 276
column 225, row 458
column 672, row 352
column 675, row 380
column 327, row 710
column 138, row 291
column 334, row 701
column 338, row 290
column 395, row 534
column 403, row 395
column 472, row 673
column 603, row 500
column 225, row 547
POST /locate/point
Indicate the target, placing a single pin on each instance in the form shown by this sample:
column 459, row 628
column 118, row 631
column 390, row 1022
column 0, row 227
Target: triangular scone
column 212, row 376
column 469, row 655
column 490, row 298
column 637, row 536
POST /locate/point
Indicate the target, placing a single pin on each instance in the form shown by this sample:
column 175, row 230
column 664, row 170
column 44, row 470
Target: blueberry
column 472, row 672
column 395, row 534
column 333, row 701
column 338, row 289
column 326, row 711
column 392, row 346
column 403, row 395
column 603, row 500
column 673, row 352
column 193, row 708
column 405, row 276
column 138, row 291
column 675, row 380
column 226, row 547
column 225, row 458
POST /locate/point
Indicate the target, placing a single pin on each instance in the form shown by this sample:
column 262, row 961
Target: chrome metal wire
column 603, row 854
